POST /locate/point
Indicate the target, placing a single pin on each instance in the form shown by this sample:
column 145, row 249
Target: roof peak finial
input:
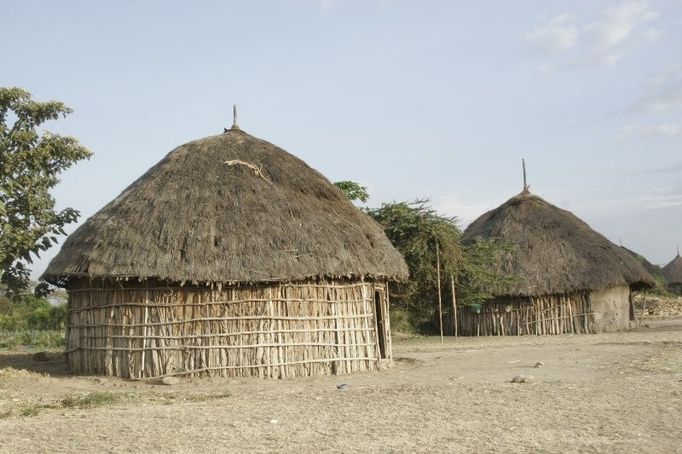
column 678, row 250
column 525, row 183
column 234, row 117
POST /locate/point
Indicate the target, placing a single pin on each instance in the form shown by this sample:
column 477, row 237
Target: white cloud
column 664, row 92
column 555, row 37
column 662, row 198
column 662, row 101
column 662, row 130
column 604, row 41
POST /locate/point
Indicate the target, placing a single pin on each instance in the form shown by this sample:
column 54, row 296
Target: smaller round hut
column 654, row 270
column 564, row 276
column 672, row 273
column 230, row 257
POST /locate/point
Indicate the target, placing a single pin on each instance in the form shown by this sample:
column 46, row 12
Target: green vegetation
column 85, row 401
column 91, row 400
column 427, row 240
column 34, row 410
column 31, row 313
column 31, row 164
column 31, row 338
column 415, row 229
column 103, row 398
column 660, row 287
column 31, row 322
column 401, row 321
column 354, row 191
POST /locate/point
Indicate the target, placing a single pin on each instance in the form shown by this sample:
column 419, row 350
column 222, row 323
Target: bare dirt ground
column 619, row 392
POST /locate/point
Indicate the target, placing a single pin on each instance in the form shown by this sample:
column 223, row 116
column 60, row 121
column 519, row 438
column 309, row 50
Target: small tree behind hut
column 430, row 242
column 354, row 191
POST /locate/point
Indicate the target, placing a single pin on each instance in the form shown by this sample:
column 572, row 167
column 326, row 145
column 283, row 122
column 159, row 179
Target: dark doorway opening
column 381, row 328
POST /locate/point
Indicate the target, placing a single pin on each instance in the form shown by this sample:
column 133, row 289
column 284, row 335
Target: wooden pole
column 234, row 117
column 454, row 307
column 440, row 300
column 641, row 314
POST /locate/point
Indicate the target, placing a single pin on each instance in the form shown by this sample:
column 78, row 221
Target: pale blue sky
column 436, row 99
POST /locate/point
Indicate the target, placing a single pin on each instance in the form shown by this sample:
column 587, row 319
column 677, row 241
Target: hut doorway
column 632, row 308
column 381, row 326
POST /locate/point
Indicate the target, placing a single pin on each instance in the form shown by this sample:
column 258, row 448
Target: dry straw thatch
column 229, row 257
column 229, row 208
column 561, row 269
column 652, row 269
column 672, row 272
column 556, row 252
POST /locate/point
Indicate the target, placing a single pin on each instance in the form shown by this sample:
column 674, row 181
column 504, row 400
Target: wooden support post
column 455, row 330
column 641, row 314
column 440, row 300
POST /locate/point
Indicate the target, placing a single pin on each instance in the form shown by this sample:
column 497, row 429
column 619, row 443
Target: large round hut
column 230, row 257
column 672, row 273
column 563, row 277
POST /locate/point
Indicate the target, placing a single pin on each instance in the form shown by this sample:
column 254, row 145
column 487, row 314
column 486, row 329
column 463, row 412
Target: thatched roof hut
column 672, row 273
column 561, row 269
column 653, row 270
column 229, row 257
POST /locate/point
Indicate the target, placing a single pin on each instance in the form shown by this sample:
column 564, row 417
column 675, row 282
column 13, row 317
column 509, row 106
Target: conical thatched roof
column 554, row 251
column 652, row 269
column 229, row 208
column 672, row 272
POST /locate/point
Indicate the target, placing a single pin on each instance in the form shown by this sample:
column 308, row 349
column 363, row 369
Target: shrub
column 31, row 338
column 31, row 313
column 400, row 321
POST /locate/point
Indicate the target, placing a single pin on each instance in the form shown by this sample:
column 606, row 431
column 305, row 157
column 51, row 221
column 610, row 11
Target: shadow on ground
column 52, row 363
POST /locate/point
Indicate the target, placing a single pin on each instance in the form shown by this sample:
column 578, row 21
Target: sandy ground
column 617, row 393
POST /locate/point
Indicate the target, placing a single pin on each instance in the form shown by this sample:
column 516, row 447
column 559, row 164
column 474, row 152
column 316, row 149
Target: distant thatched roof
column 555, row 252
column 229, row 208
column 654, row 270
column 672, row 272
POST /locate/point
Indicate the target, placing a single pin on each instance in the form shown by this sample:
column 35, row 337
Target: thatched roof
column 654, row 270
column 554, row 251
column 225, row 209
column 672, row 272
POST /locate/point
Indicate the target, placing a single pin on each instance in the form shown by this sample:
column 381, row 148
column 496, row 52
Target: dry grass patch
column 91, row 400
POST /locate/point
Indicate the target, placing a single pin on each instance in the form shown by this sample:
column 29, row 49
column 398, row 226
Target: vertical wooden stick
column 440, row 300
column 641, row 314
column 455, row 330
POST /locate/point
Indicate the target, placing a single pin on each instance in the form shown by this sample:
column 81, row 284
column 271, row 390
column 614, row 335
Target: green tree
column 30, row 165
column 354, row 191
column 416, row 230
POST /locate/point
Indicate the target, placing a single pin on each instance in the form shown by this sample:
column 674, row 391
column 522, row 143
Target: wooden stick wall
column 556, row 314
column 277, row 331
